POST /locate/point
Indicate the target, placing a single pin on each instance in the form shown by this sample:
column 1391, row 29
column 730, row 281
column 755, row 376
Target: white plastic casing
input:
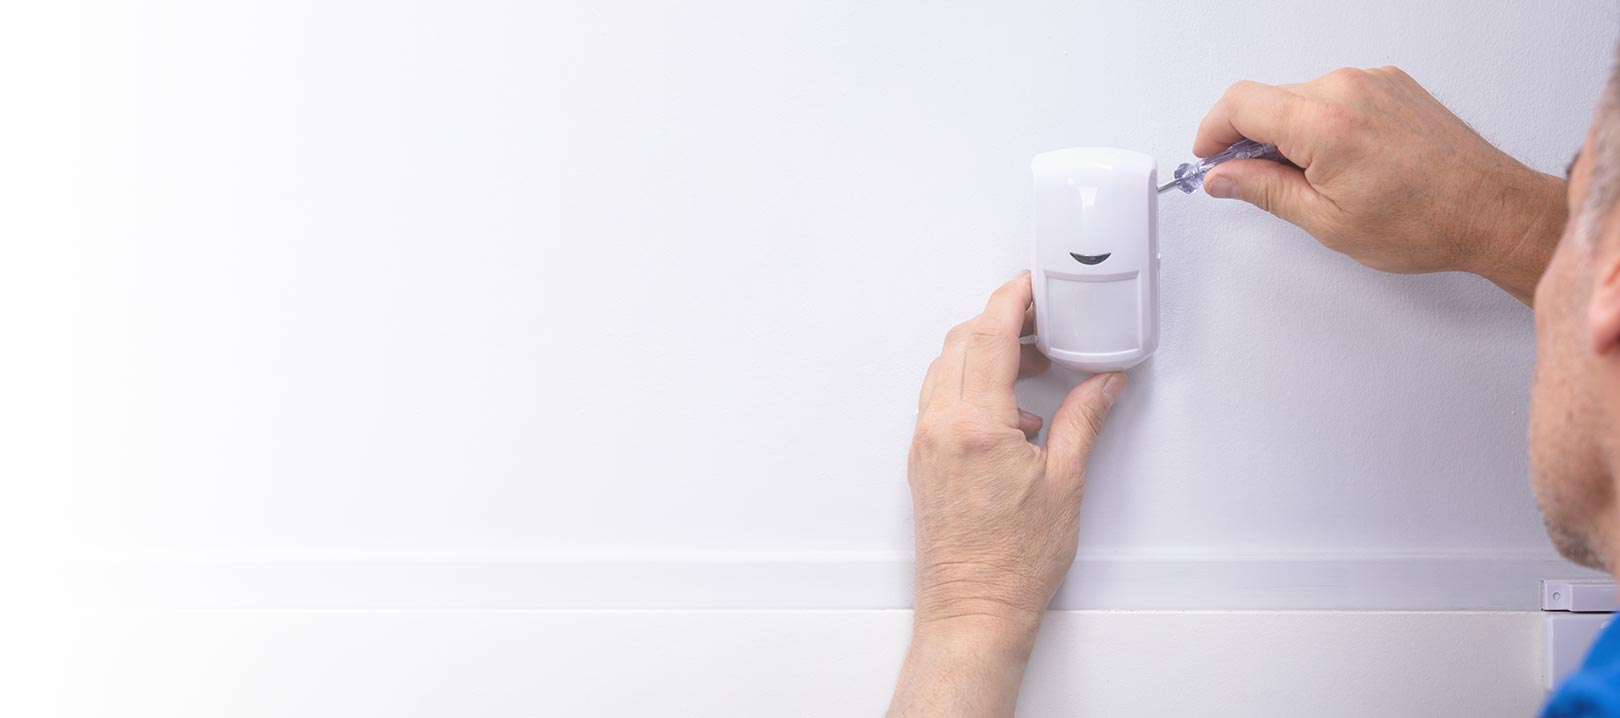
column 1096, row 266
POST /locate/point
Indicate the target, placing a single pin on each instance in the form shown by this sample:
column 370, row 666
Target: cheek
column 1552, row 309
column 1549, row 387
column 1566, row 459
column 1554, row 284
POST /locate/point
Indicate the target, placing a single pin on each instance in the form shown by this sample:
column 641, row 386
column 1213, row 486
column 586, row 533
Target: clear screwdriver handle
column 1190, row 175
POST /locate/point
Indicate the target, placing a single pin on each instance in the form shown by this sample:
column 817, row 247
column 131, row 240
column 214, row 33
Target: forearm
column 967, row 666
column 1522, row 230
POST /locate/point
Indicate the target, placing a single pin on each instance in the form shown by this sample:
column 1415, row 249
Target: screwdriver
column 1190, row 175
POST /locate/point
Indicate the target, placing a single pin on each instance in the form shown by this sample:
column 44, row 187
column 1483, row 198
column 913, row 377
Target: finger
column 1075, row 426
column 1029, row 322
column 1031, row 361
column 1010, row 306
column 1029, row 423
column 1276, row 188
column 991, row 354
column 1263, row 113
column 929, row 380
column 945, row 388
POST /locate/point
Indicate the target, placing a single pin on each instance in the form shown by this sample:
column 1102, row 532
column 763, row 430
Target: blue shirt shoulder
column 1594, row 690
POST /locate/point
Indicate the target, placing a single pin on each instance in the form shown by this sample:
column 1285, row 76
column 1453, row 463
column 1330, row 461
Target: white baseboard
column 776, row 580
column 717, row 664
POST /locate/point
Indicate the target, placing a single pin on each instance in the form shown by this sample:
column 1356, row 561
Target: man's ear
column 1603, row 313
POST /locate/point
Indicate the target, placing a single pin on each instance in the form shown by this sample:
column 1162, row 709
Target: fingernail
column 1112, row 388
column 1028, row 416
column 1220, row 186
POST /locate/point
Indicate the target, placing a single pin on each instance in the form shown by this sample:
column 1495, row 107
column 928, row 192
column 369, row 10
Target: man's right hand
column 1391, row 177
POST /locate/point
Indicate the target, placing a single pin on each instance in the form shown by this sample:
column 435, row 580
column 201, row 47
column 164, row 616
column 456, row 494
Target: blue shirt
column 1594, row 690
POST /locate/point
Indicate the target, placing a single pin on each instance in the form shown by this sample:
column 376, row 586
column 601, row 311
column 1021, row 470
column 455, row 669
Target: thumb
column 1276, row 188
column 1075, row 426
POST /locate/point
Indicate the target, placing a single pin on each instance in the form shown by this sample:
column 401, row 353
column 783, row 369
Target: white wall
column 496, row 664
column 588, row 305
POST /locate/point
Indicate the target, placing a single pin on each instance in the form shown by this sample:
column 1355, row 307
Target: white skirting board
column 525, row 664
column 779, row 580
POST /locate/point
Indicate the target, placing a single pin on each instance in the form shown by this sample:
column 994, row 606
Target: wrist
column 979, row 595
column 964, row 665
column 1519, row 237
column 992, row 631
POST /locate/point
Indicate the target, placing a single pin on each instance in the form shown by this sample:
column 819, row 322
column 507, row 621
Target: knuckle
column 975, row 332
column 1347, row 77
column 1293, row 107
column 1238, row 88
column 1391, row 72
column 984, row 334
column 1263, row 197
column 924, row 438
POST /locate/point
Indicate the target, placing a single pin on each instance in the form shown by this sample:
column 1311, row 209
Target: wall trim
column 757, row 579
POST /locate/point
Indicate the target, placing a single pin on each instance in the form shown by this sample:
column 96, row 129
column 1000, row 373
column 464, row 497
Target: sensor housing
column 1096, row 266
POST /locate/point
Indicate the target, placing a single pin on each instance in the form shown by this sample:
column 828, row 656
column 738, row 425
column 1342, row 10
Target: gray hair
column 1603, row 188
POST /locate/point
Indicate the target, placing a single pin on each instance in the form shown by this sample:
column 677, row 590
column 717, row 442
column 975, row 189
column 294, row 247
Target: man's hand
column 996, row 516
column 1391, row 177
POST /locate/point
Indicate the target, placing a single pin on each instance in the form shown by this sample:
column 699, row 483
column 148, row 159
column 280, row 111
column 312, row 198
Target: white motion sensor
column 1096, row 266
